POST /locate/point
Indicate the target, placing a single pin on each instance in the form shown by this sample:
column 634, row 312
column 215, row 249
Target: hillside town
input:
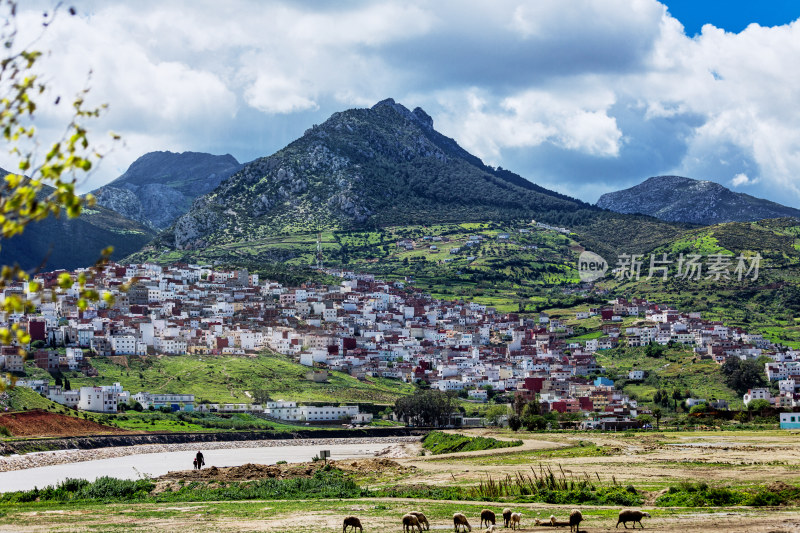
column 366, row 328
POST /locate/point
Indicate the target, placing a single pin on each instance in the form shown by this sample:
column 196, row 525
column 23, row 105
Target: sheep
column 423, row 520
column 554, row 522
column 487, row 516
column 460, row 521
column 575, row 519
column 516, row 518
column 626, row 515
column 506, row 516
column 409, row 521
column 491, row 529
column 352, row 521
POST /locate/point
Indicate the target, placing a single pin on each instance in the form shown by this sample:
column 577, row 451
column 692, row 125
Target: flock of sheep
column 416, row 519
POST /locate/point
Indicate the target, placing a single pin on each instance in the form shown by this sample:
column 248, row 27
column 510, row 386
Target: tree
column 534, row 422
column 428, row 408
column 519, row 403
column 743, row 375
column 495, row 412
column 654, row 350
column 44, row 186
column 646, row 420
column 514, row 422
column 657, row 415
column 699, row 408
column 657, row 396
column 676, row 395
column 533, row 407
column 260, row 396
column 759, row 405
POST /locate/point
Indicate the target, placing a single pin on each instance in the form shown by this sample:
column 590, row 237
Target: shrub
column 701, row 495
column 439, row 442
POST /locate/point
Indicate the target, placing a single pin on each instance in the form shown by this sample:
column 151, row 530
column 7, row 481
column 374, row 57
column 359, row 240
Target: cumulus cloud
column 586, row 96
column 742, row 179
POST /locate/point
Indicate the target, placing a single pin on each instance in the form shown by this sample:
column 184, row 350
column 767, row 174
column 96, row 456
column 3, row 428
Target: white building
column 636, row 375
column 176, row 402
column 756, row 394
column 70, row 398
column 99, row 399
column 480, row 395
column 290, row 411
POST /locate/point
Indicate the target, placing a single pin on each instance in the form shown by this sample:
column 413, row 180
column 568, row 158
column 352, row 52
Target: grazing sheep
column 575, row 519
column 491, row 529
column 626, row 515
column 487, row 516
column 409, row 521
column 516, row 518
column 423, row 520
column 352, row 521
column 460, row 521
column 506, row 516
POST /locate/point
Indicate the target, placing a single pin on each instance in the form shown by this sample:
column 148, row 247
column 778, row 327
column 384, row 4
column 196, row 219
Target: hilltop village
column 363, row 327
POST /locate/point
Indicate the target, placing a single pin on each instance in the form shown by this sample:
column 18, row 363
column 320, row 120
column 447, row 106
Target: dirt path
column 649, row 460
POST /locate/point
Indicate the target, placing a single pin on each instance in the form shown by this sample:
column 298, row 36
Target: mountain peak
column 418, row 115
column 423, row 117
column 160, row 186
column 680, row 199
column 383, row 165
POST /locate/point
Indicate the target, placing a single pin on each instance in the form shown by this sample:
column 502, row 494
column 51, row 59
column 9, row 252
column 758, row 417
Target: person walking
column 200, row 460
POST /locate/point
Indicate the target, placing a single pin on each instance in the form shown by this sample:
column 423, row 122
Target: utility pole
column 319, row 250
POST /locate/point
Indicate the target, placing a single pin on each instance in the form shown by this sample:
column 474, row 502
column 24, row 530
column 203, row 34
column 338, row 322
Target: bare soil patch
column 38, row 423
column 252, row 472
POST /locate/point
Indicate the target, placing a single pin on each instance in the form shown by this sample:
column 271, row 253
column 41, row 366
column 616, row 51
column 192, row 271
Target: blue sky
column 732, row 15
column 584, row 97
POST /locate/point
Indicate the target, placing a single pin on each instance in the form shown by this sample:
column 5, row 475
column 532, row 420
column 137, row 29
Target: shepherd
column 199, row 459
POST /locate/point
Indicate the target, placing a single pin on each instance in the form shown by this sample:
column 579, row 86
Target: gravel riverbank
column 40, row 459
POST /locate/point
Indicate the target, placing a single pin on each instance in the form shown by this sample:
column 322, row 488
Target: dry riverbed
column 40, row 459
column 651, row 462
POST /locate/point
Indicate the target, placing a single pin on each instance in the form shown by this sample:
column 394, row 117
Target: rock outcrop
column 679, row 199
column 159, row 187
column 382, row 165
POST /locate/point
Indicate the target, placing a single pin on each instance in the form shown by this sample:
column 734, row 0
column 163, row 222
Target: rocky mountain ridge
column 361, row 167
column 679, row 199
column 160, row 186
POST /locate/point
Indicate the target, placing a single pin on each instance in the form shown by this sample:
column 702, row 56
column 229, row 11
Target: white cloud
column 273, row 94
column 741, row 179
column 612, row 87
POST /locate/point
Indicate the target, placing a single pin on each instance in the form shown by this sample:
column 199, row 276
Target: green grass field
column 228, row 379
column 678, row 367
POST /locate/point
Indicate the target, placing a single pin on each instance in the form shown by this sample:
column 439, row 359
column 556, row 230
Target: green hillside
column 676, row 368
column 226, row 379
column 504, row 272
column 770, row 304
